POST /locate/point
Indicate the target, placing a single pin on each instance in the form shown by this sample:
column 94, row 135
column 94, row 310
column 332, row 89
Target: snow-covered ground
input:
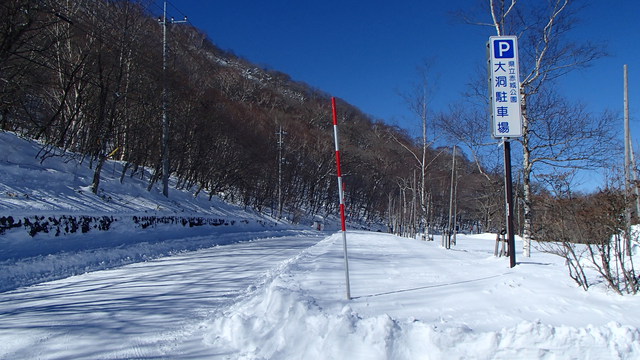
column 416, row 300
column 254, row 288
column 145, row 310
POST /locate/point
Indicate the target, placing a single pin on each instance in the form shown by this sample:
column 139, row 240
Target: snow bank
column 60, row 185
column 280, row 322
column 297, row 312
column 52, row 226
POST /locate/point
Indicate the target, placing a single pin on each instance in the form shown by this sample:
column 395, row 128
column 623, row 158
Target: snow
column 257, row 288
column 416, row 300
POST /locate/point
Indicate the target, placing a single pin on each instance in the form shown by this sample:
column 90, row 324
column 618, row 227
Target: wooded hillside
column 87, row 77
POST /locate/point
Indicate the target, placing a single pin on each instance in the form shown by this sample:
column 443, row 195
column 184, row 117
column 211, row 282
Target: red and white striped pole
column 341, row 194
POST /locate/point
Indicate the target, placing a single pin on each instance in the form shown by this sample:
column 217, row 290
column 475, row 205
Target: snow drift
column 299, row 312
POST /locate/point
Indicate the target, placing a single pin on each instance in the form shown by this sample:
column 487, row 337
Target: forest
column 107, row 79
column 86, row 78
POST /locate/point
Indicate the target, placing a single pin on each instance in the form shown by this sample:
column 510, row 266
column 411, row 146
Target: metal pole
column 509, row 202
column 455, row 211
column 627, row 161
column 341, row 194
column 453, row 170
column 627, row 176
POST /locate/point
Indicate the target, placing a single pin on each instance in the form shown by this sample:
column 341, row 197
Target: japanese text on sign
column 504, row 87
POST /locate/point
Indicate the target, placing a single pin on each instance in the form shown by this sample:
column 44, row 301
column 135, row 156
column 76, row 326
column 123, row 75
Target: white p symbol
column 503, row 46
column 504, row 49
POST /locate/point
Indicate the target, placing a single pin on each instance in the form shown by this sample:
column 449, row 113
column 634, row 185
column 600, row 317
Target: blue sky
column 367, row 52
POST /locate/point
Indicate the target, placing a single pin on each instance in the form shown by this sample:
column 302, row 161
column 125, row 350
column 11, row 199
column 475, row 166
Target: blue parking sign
column 503, row 49
column 504, row 86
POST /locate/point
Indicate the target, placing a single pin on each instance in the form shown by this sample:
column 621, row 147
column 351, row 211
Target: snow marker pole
column 341, row 194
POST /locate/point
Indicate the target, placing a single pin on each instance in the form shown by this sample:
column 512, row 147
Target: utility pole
column 627, row 143
column 630, row 160
column 280, row 143
column 627, row 161
column 165, row 101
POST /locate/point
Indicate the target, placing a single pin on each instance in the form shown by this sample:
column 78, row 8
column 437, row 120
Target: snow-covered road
column 140, row 311
column 252, row 287
column 282, row 297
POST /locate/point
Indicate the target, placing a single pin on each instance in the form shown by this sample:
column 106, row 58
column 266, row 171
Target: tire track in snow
column 142, row 310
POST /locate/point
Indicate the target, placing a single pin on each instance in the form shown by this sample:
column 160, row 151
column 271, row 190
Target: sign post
column 506, row 113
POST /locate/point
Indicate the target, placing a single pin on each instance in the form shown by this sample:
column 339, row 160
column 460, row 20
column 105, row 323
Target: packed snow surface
column 257, row 288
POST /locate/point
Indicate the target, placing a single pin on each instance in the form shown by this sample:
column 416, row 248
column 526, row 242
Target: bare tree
column 545, row 55
column 588, row 232
column 418, row 102
column 467, row 125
